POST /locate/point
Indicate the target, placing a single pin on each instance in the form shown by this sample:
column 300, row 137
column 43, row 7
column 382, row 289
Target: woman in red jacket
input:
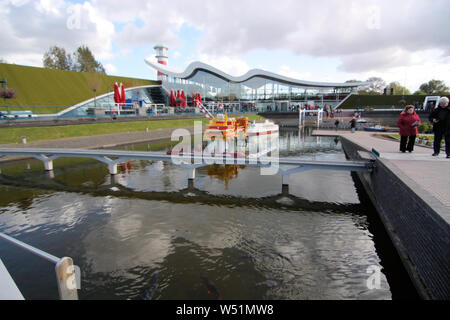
column 408, row 122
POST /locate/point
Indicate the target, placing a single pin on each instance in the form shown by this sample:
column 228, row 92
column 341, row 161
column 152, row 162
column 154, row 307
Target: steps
column 157, row 95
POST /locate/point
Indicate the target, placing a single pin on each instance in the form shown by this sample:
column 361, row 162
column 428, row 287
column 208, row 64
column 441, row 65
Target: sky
column 407, row 41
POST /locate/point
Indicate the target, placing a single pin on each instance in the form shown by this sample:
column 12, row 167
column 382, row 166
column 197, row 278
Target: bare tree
column 7, row 93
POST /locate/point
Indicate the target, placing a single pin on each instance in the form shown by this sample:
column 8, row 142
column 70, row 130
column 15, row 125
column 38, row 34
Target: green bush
column 425, row 127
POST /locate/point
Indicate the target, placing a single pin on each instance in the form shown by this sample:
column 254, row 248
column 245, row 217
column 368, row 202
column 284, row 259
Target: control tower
column 161, row 55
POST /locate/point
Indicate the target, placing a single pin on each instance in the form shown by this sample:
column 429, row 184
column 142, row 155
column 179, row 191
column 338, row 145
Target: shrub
column 425, row 127
column 8, row 93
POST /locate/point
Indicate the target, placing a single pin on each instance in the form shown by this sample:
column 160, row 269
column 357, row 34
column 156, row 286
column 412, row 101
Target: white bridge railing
column 67, row 278
column 119, row 107
column 302, row 116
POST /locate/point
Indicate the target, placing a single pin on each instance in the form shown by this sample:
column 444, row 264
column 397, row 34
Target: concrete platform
column 8, row 288
column 431, row 173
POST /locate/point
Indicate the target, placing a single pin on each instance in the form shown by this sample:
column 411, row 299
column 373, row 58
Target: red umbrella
column 183, row 97
column 172, row 102
column 199, row 98
column 116, row 93
column 124, row 98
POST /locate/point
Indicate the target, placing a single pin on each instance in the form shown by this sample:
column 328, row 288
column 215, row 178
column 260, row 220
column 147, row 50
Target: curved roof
column 194, row 67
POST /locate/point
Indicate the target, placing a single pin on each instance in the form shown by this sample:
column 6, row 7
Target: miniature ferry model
column 226, row 128
column 264, row 128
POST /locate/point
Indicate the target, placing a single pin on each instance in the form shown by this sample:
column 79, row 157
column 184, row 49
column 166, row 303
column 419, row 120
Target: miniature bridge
column 285, row 166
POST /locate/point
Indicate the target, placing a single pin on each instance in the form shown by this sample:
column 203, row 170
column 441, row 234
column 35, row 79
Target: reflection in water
column 224, row 173
column 146, row 234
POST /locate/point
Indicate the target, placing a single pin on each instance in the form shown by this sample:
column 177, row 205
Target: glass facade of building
column 104, row 105
column 257, row 91
column 265, row 93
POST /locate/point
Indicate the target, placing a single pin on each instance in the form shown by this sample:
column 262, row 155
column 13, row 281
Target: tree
column 7, row 93
column 85, row 61
column 398, row 89
column 57, row 58
column 359, row 90
column 419, row 93
column 375, row 87
column 434, row 87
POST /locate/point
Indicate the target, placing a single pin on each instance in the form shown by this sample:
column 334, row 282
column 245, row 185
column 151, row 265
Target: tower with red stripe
column 161, row 55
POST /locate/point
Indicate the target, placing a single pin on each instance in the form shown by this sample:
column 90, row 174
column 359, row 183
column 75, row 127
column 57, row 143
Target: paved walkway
column 431, row 173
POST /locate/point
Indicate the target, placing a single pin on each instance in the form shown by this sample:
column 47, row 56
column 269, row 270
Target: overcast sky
column 323, row 40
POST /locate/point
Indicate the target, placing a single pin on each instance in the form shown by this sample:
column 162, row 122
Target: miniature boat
column 264, row 128
column 376, row 129
column 226, row 128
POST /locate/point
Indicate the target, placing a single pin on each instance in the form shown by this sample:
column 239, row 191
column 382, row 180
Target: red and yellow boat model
column 222, row 127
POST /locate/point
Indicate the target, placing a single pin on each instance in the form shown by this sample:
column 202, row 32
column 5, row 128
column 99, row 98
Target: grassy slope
column 380, row 101
column 13, row 135
column 48, row 87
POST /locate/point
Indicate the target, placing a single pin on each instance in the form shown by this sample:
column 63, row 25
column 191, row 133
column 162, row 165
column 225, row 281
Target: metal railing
column 66, row 277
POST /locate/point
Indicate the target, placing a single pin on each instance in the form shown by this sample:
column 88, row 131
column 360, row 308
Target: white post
column 112, row 168
column 191, row 175
column 48, row 164
column 66, row 279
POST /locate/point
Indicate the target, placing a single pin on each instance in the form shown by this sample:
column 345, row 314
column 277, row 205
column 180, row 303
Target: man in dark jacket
column 440, row 117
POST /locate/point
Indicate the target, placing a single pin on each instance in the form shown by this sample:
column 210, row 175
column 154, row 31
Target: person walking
column 408, row 122
column 353, row 124
column 440, row 117
column 336, row 124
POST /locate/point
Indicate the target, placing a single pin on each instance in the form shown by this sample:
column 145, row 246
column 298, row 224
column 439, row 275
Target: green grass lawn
column 48, row 87
column 13, row 135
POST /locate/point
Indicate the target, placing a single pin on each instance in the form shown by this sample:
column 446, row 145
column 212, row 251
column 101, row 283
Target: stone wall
column 412, row 218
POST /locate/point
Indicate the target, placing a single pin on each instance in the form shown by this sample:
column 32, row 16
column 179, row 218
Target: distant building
column 266, row 90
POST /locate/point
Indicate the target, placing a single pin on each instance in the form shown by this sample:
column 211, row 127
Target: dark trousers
column 407, row 143
column 438, row 135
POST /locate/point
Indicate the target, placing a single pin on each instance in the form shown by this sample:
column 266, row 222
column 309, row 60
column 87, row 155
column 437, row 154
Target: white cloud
column 46, row 26
column 110, row 68
column 287, row 71
column 233, row 66
column 366, row 37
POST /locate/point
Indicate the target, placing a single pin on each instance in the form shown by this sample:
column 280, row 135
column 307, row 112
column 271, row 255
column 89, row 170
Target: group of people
column 409, row 120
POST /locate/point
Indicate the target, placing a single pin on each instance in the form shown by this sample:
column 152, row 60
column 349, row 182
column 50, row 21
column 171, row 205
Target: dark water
column 146, row 234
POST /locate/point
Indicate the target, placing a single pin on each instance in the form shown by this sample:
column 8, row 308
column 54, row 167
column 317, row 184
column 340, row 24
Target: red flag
column 172, row 102
column 123, row 94
column 116, row 93
column 183, row 97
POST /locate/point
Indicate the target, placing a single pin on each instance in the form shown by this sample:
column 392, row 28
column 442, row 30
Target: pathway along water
column 146, row 235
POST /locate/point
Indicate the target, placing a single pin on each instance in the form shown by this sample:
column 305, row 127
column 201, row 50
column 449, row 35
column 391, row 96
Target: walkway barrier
column 302, row 114
column 189, row 161
column 66, row 277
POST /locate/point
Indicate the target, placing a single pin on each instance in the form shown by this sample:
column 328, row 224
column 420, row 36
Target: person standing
column 408, row 122
column 440, row 117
